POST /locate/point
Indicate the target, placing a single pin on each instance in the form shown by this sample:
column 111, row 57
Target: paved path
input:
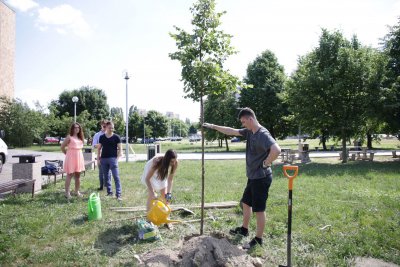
column 7, row 168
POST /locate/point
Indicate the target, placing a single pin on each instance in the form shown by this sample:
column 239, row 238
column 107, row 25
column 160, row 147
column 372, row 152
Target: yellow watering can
column 159, row 213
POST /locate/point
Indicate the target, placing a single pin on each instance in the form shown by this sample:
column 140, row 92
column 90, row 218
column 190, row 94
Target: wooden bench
column 13, row 185
column 90, row 162
column 62, row 172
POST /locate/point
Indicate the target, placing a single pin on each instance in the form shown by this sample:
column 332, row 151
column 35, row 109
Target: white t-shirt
column 155, row 182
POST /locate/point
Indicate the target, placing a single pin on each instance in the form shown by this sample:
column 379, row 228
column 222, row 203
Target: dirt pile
column 370, row 262
column 204, row 251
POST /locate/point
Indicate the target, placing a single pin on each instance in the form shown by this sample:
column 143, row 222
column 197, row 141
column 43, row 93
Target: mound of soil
column 371, row 262
column 200, row 251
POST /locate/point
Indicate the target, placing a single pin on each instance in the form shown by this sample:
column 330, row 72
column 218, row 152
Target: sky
column 63, row 45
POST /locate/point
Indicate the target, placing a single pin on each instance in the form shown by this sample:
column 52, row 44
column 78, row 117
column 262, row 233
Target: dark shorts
column 255, row 194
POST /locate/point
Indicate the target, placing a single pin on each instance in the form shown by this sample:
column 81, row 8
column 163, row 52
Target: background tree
column 391, row 111
column 22, row 125
column 202, row 53
column 117, row 117
column 178, row 128
column 221, row 110
column 377, row 94
column 116, row 111
column 135, row 126
column 305, row 99
column 158, row 124
column 267, row 77
column 89, row 125
column 331, row 89
column 132, row 109
column 193, row 129
column 92, row 99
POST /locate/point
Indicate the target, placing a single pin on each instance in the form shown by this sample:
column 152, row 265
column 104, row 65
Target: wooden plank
column 216, row 205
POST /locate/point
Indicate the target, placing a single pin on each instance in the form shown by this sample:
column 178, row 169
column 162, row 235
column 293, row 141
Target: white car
column 3, row 153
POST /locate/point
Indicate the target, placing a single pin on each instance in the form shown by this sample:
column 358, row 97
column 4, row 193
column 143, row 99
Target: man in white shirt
column 96, row 137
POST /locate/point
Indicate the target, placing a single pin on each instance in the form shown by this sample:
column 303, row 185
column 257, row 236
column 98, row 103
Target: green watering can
column 94, row 207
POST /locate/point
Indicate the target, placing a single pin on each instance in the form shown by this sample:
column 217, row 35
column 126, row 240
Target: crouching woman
column 158, row 176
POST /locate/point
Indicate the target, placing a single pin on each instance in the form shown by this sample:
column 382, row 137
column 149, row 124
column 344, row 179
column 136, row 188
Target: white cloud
column 65, row 19
column 23, row 5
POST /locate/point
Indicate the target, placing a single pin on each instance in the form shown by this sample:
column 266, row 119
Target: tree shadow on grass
column 81, row 220
column 359, row 168
column 111, row 241
column 45, row 197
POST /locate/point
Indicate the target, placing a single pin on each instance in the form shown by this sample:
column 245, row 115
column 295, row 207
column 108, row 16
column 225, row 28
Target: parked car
column 3, row 153
column 235, row 140
column 194, row 138
column 148, row 140
column 51, row 140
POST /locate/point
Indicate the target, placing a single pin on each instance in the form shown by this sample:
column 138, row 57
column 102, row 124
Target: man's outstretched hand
column 208, row 125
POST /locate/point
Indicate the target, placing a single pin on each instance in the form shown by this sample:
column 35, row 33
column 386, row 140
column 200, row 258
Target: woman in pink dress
column 74, row 163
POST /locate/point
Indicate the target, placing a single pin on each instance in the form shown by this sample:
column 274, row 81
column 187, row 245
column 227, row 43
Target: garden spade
column 289, row 236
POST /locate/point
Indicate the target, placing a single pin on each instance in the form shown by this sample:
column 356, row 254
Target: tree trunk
column 272, row 132
column 226, row 143
column 369, row 140
column 202, row 164
column 344, row 149
column 323, row 141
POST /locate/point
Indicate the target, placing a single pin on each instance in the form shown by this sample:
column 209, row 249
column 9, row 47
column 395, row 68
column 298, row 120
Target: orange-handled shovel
column 289, row 236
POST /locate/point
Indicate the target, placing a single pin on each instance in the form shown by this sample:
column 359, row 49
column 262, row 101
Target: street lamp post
column 75, row 99
column 127, row 117
column 144, row 131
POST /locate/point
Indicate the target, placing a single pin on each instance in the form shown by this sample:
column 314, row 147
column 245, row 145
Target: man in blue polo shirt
column 261, row 151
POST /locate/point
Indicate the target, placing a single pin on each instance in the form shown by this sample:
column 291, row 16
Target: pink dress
column 74, row 161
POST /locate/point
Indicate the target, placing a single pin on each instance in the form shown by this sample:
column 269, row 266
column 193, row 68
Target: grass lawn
column 360, row 200
column 186, row 147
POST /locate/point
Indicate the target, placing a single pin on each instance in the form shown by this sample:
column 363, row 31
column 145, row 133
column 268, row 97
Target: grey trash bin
column 151, row 151
column 305, row 147
column 158, row 148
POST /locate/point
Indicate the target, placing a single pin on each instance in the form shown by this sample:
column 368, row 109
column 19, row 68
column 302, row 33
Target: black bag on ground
column 52, row 167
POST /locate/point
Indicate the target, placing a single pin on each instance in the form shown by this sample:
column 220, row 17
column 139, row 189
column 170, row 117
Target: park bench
column 288, row 155
column 62, row 172
column 360, row 155
column 13, row 185
column 89, row 163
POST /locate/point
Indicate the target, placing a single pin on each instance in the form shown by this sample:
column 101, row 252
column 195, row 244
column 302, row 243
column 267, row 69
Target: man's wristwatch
column 266, row 165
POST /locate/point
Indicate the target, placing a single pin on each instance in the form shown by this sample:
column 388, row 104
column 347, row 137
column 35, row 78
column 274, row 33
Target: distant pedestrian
column 157, row 177
column 102, row 176
column 74, row 162
column 261, row 151
column 108, row 151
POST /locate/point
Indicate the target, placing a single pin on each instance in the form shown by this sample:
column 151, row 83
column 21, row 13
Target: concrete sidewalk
column 242, row 155
column 7, row 168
